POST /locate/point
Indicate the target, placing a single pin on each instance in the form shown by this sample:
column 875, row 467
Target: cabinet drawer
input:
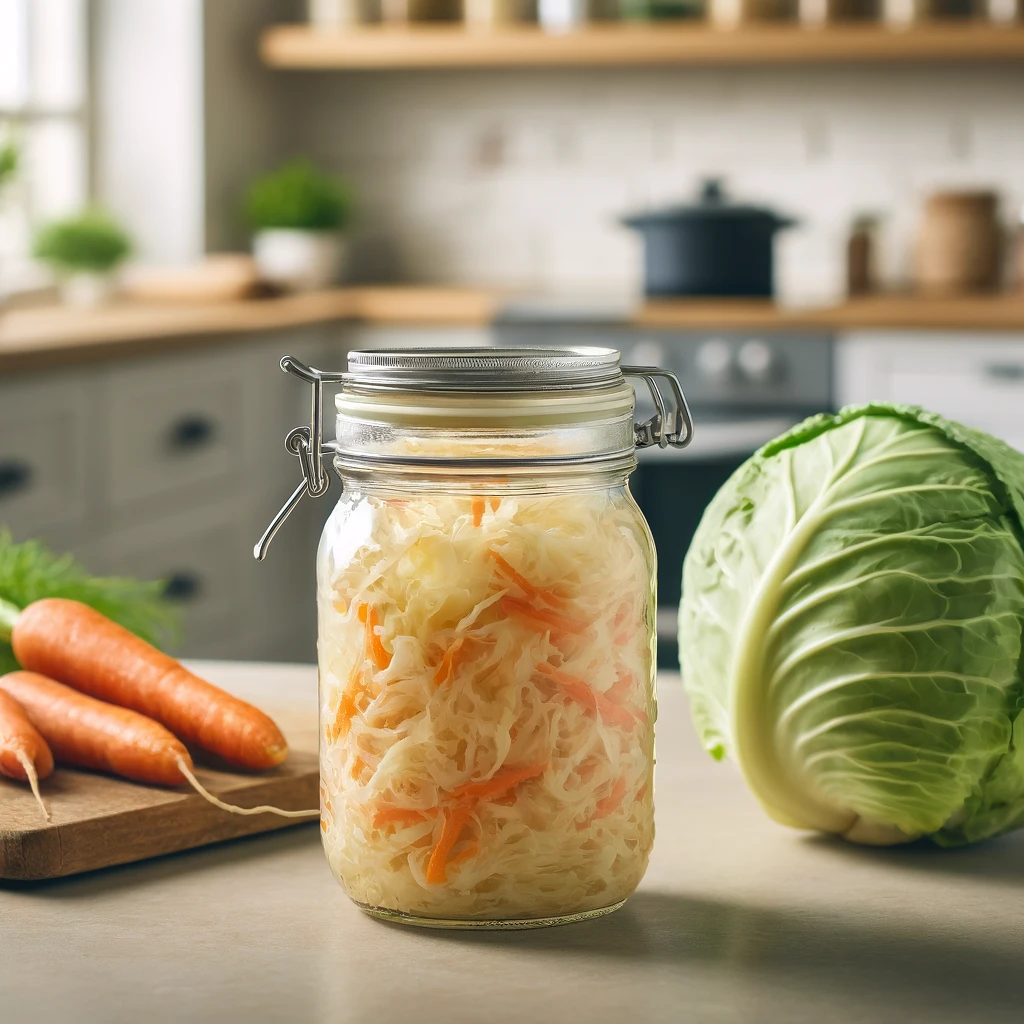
column 45, row 440
column 204, row 561
column 174, row 426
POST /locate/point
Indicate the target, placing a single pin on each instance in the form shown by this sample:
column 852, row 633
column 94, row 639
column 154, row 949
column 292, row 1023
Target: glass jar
column 486, row 595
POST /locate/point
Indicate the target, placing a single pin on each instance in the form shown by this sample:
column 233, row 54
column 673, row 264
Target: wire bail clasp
column 306, row 443
column 679, row 422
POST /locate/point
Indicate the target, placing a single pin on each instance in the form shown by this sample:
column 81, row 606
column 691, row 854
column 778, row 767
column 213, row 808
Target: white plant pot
column 298, row 260
column 86, row 289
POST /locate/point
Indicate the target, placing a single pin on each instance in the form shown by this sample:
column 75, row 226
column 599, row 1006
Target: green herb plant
column 91, row 241
column 301, row 197
column 851, row 623
column 9, row 161
column 29, row 572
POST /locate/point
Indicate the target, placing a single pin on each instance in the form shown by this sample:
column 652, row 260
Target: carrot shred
column 478, row 510
column 495, row 502
column 469, row 852
column 641, row 792
column 609, row 804
column 446, row 668
column 503, row 780
column 529, row 589
column 522, row 609
column 362, row 611
column 358, row 764
column 620, row 690
column 375, row 648
column 455, row 820
column 578, row 690
column 400, row 816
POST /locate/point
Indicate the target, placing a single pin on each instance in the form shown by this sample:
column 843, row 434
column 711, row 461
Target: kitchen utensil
column 712, row 247
column 99, row 821
column 958, row 244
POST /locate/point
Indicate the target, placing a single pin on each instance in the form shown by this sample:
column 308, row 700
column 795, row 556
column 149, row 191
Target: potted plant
column 298, row 214
column 84, row 251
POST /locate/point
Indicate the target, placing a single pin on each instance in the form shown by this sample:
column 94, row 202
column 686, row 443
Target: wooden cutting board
column 99, row 821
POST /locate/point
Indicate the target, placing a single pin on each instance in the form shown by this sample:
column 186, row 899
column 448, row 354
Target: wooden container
column 958, row 245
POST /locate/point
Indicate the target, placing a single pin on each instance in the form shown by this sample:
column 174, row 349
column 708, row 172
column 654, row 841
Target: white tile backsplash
column 519, row 178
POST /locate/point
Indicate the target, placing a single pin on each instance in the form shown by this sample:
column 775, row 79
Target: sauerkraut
column 487, row 701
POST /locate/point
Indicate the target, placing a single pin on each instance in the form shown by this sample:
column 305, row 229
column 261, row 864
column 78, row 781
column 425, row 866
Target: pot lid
column 712, row 204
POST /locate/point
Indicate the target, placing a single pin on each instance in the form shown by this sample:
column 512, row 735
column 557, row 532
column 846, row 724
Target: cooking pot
column 712, row 247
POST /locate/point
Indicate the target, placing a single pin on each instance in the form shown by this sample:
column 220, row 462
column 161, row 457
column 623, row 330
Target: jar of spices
column 486, row 592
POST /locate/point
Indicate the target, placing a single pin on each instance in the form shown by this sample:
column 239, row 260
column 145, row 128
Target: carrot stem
column 234, row 808
column 33, row 780
column 8, row 619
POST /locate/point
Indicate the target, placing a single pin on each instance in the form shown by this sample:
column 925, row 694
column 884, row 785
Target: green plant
column 850, row 630
column 9, row 159
column 298, row 195
column 30, row 572
column 90, row 241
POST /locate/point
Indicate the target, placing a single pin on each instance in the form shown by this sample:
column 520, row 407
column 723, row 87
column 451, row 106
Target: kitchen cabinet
column 978, row 380
column 169, row 466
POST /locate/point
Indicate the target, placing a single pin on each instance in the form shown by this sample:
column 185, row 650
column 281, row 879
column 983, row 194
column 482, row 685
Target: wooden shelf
column 610, row 45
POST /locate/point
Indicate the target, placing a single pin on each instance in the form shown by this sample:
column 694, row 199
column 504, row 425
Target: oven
column 743, row 388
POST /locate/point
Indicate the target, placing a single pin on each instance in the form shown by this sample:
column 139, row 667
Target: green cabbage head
column 850, row 630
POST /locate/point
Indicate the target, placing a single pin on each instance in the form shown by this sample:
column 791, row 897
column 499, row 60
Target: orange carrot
column 70, row 641
column 478, row 510
column 455, row 820
column 578, row 690
column 375, row 648
column 560, row 623
column 87, row 733
column 503, row 780
column 533, row 592
column 400, row 816
column 471, row 850
column 495, row 502
column 24, row 754
column 609, row 804
column 447, row 666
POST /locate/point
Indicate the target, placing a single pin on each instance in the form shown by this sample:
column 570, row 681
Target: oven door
column 673, row 487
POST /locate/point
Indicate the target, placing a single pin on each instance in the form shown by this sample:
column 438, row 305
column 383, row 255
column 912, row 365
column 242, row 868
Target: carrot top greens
column 30, row 572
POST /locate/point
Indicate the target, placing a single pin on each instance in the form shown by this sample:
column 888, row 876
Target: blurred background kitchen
column 793, row 203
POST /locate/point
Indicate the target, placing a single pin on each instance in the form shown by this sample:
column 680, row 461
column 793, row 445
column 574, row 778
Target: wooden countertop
column 33, row 337
column 738, row 919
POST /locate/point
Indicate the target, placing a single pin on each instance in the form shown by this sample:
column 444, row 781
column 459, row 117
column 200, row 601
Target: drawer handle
column 183, row 586
column 193, row 432
column 15, row 476
column 1005, row 371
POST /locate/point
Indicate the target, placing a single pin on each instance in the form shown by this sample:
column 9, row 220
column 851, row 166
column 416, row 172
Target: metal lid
column 485, row 369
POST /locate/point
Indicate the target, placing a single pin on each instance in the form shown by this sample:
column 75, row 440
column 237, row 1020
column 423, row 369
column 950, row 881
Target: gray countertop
column 737, row 920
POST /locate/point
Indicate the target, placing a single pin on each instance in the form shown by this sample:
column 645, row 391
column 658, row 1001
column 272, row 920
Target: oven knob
column 647, row 353
column 756, row 360
column 715, row 359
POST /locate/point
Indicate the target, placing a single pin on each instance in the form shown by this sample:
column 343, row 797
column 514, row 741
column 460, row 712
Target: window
column 44, row 111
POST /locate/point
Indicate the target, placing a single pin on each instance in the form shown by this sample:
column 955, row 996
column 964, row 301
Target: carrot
column 477, row 507
column 374, row 647
column 503, row 780
column 455, row 820
column 533, row 592
column 471, row 850
column 606, row 805
column 495, row 502
column 89, row 733
column 578, row 690
column 70, row 641
column 400, row 816
column 348, row 707
column 24, row 754
column 447, row 666
column 521, row 609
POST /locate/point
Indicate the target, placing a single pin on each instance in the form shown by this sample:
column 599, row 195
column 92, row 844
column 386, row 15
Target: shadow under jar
column 486, row 593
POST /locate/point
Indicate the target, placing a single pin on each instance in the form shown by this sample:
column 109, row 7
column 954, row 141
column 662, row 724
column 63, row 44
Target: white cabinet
column 978, row 380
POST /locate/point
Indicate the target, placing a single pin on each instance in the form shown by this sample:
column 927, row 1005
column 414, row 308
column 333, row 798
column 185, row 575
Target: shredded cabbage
column 487, row 701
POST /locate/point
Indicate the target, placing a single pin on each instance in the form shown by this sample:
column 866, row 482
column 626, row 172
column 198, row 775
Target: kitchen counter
column 35, row 337
column 737, row 920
